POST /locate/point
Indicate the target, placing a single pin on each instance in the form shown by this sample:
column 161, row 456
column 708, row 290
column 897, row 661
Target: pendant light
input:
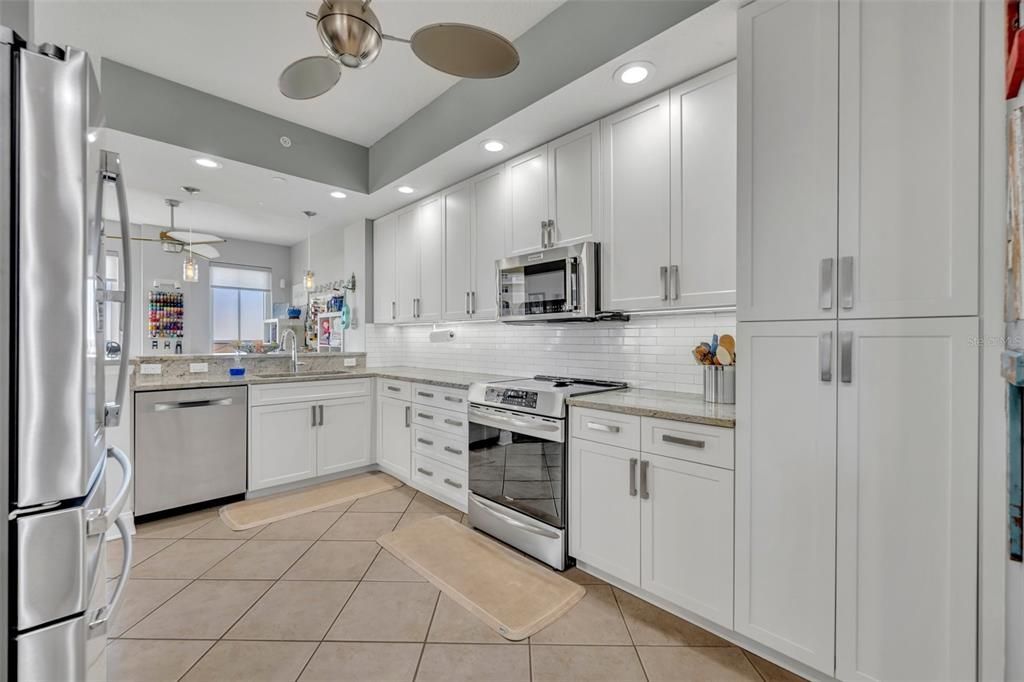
column 190, row 268
column 308, row 280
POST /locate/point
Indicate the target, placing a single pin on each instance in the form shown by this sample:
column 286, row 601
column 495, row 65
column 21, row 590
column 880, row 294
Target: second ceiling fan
column 352, row 36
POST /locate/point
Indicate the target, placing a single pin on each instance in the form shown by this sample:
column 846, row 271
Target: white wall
column 647, row 352
column 151, row 263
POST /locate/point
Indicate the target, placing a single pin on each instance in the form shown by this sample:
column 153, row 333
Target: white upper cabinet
column 384, row 295
column 637, row 198
column 458, row 256
column 490, row 217
column 528, row 201
column 906, row 592
column 574, row 163
column 788, row 167
column 407, row 264
column 430, row 237
column 703, row 270
column 909, row 190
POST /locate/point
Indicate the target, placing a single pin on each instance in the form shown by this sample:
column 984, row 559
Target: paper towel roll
column 442, row 335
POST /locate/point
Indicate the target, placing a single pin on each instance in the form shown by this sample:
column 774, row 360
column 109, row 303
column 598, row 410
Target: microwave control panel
column 512, row 396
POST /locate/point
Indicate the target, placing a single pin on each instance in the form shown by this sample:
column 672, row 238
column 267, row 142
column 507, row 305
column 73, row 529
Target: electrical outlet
column 150, row 368
column 196, row 367
column 350, row 362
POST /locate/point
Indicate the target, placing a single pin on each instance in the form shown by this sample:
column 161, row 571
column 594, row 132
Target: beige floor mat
column 263, row 510
column 510, row 593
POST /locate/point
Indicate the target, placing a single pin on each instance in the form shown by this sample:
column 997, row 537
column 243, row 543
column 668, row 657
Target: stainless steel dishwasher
column 190, row 447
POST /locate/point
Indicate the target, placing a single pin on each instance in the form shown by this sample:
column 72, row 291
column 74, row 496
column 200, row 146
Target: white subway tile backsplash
column 647, row 352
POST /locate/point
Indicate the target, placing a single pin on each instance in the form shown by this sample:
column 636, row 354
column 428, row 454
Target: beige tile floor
column 315, row 598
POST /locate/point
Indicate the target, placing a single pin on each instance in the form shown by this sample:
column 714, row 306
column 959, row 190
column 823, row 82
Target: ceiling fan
column 352, row 36
column 177, row 241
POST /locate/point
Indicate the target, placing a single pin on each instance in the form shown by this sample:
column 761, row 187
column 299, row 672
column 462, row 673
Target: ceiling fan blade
column 465, row 50
column 309, row 77
column 204, row 250
column 194, row 238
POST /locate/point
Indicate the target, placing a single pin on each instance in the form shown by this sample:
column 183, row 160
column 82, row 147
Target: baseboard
column 306, row 482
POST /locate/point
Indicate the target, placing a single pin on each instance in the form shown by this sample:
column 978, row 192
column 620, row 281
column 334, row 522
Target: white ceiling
column 235, row 49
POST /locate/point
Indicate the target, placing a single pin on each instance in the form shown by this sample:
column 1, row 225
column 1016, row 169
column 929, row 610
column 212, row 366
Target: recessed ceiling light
column 493, row 145
column 338, row 194
column 406, row 189
column 278, row 179
column 207, row 163
column 634, row 72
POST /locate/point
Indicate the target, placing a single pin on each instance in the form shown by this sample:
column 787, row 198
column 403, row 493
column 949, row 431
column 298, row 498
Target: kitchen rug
column 263, row 510
column 511, row 594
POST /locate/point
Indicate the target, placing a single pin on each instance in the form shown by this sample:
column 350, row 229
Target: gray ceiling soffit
column 572, row 41
column 142, row 104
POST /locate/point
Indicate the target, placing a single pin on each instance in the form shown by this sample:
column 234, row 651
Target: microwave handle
column 572, row 281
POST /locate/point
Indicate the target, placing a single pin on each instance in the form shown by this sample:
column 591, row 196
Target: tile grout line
column 426, row 636
column 747, row 655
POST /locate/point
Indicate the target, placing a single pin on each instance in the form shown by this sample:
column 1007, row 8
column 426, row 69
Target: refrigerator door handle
column 105, row 614
column 104, row 518
column 111, row 171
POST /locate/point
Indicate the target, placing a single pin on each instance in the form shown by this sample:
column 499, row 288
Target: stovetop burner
column 543, row 395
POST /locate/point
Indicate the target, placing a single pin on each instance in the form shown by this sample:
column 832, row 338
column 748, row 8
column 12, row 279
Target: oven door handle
column 489, row 508
column 500, row 421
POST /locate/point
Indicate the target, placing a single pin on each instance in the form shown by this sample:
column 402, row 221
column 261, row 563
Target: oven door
column 518, row 461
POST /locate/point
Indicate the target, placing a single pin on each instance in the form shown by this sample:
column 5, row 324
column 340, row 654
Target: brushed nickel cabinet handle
column 408, row 416
column 392, row 310
column 846, row 282
column 423, row 415
column 632, row 476
column 677, row 440
column 645, row 494
column 467, row 303
column 453, row 422
column 452, row 483
column 846, row 357
column 454, row 451
column 664, row 282
column 825, row 283
column 453, row 399
column 312, row 415
column 673, row 281
column 424, row 394
column 825, row 356
column 424, row 441
column 472, row 303
column 424, row 471
column 396, row 389
column 320, row 409
column 595, row 426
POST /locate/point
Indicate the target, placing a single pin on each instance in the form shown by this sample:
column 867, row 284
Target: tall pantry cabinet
column 857, row 275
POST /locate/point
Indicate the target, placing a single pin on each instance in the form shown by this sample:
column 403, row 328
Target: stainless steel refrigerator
column 52, row 178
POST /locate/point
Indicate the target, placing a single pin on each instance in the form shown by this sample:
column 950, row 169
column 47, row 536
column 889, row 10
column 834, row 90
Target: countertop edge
column 671, row 415
column 256, row 380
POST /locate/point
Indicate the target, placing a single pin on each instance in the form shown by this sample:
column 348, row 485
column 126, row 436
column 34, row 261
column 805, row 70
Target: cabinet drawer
column 611, row 428
column 440, row 480
column 394, row 389
column 441, row 446
column 455, row 423
column 710, row 445
column 435, row 396
column 300, row 391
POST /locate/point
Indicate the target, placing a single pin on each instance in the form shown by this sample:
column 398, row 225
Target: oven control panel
column 511, row 396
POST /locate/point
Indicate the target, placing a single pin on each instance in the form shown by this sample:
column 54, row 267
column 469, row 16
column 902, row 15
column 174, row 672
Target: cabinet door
column 574, row 176
column 909, row 149
column 636, row 192
column 343, row 434
column 384, row 269
column 282, row 446
column 458, row 230
column 788, row 67
column 786, row 488
column 704, row 190
column 394, row 449
column 528, row 200
column 686, row 540
column 906, row 592
column 604, row 512
column 407, row 264
column 490, row 216
column 430, row 234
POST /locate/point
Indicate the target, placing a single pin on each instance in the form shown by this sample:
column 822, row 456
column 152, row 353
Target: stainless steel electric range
column 518, row 453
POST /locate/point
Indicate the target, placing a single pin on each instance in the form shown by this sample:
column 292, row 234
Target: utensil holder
column 720, row 384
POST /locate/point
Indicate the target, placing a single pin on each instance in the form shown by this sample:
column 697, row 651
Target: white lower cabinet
column 661, row 523
column 394, row 451
column 293, row 439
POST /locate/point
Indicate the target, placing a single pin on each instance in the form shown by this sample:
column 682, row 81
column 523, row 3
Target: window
column 239, row 302
column 112, row 310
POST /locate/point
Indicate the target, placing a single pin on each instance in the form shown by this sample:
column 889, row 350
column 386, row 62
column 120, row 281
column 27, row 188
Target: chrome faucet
column 295, row 348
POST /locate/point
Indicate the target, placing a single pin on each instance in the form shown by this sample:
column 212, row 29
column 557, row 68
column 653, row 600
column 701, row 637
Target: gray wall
column 18, row 15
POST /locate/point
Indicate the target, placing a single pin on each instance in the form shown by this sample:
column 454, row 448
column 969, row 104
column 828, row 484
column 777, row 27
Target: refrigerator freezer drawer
column 190, row 447
column 57, row 652
column 59, row 564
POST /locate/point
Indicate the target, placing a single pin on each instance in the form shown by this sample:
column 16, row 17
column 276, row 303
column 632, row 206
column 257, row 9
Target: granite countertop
column 684, row 407
column 434, row 377
column 276, row 355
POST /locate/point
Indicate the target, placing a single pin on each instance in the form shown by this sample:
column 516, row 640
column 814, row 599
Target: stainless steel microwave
column 552, row 285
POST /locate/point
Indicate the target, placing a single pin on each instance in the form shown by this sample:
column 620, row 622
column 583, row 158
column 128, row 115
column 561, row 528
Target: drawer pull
column 424, row 395
column 453, row 483
column 453, row 422
column 453, row 399
column 424, row 441
column 423, row 415
column 424, row 471
column 396, row 389
column 603, row 427
column 454, row 451
column 688, row 442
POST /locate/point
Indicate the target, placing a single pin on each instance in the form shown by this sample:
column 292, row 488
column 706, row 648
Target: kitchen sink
column 300, row 374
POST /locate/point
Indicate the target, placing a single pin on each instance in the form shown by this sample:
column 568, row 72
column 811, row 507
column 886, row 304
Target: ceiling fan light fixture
column 350, row 31
column 465, row 50
column 190, row 270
